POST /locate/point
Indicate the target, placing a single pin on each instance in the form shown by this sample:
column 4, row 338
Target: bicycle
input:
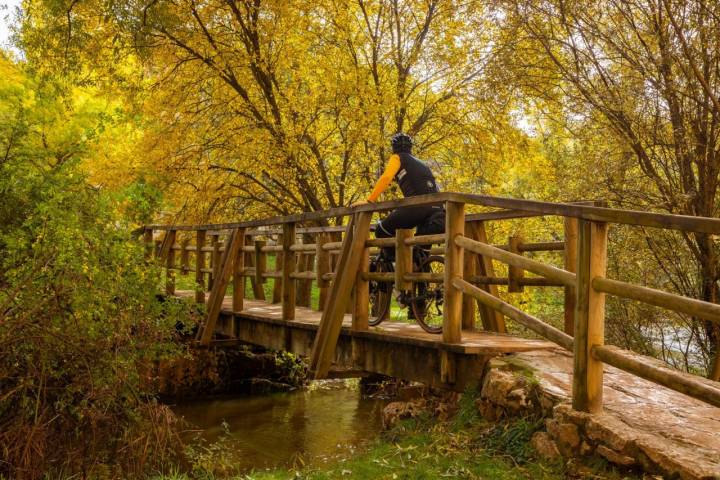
column 424, row 301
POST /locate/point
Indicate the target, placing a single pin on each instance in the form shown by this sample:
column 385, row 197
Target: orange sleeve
column 392, row 168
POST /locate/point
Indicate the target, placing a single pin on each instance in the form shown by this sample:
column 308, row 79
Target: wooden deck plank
column 473, row 343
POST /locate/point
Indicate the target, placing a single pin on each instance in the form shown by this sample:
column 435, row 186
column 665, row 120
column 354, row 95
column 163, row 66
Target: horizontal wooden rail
column 426, row 239
column 384, row 242
column 525, row 281
column 592, row 213
column 332, row 246
column 380, row 242
column 658, row 298
column 533, row 323
column 586, row 212
column 307, row 275
column 547, row 271
column 542, row 247
column 377, row 277
column 651, row 369
column 424, row 277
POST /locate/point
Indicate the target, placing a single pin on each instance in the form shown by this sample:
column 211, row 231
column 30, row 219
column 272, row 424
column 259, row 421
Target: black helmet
column 401, row 142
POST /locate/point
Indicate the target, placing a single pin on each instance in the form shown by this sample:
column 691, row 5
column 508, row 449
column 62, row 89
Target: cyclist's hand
column 358, row 203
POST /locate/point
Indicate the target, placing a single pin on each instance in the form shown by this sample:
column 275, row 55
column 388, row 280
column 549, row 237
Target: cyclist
column 414, row 178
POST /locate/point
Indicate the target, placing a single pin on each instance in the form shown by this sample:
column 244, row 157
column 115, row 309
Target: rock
column 396, row 411
column 411, row 392
column 256, row 386
column 544, row 445
column 564, row 413
column 609, row 431
column 615, row 457
column 657, row 454
column 547, row 403
column 497, row 385
column 585, row 448
column 444, row 410
column 488, row 411
column 566, row 435
column 516, row 400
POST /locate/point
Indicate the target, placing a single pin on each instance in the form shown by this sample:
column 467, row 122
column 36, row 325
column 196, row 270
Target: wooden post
column 571, row 243
column 149, row 245
column 238, row 277
column 214, row 259
column 361, row 312
column 217, row 295
column 305, row 263
column 329, row 330
column 260, row 262
column 305, row 285
column 288, row 266
column 493, row 320
column 185, row 256
column 452, row 305
column 589, row 317
column 277, row 282
column 257, row 288
column 200, row 266
column 323, row 266
column 166, row 246
column 403, row 259
column 299, row 267
column 170, row 265
column 515, row 274
column 469, row 271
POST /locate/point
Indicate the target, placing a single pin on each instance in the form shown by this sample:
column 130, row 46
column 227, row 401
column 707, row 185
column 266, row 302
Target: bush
column 78, row 307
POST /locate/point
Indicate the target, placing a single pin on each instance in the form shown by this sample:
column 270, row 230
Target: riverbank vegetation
column 462, row 445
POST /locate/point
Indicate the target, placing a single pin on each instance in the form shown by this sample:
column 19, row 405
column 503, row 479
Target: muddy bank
column 233, row 370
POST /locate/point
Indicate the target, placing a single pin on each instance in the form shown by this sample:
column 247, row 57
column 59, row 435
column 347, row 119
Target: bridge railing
column 340, row 266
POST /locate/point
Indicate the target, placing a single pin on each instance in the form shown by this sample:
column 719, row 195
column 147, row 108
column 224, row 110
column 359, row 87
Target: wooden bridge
column 336, row 338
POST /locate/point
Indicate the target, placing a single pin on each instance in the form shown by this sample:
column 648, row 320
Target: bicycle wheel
column 380, row 294
column 427, row 297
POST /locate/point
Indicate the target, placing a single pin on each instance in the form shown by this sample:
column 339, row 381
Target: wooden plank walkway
column 472, row 343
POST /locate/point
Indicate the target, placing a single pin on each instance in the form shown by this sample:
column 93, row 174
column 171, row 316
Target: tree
column 271, row 107
column 647, row 72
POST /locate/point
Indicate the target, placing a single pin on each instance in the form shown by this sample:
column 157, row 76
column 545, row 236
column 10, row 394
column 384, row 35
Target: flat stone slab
column 669, row 427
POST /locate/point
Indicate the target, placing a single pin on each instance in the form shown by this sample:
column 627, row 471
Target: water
column 328, row 420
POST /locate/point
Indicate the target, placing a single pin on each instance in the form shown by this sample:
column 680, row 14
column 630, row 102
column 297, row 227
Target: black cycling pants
column 427, row 220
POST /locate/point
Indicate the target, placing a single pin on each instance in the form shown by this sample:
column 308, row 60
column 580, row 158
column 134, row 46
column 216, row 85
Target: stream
column 327, row 420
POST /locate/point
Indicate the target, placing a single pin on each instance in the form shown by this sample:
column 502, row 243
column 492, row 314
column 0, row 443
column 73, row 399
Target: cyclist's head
column 401, row 143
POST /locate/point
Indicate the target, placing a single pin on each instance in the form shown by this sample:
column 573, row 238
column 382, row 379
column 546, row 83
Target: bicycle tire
column 423, row 302
column 380, row 296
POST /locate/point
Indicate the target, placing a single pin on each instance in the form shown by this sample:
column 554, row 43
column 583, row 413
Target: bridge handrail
column 583, row 275
column 511, row 206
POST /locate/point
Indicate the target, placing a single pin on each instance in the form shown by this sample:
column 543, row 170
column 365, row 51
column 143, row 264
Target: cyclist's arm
column 392, row 168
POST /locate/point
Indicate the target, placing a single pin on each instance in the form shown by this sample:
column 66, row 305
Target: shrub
column 78, row 310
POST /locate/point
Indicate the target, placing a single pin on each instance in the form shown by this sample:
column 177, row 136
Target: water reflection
column 327, row 420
